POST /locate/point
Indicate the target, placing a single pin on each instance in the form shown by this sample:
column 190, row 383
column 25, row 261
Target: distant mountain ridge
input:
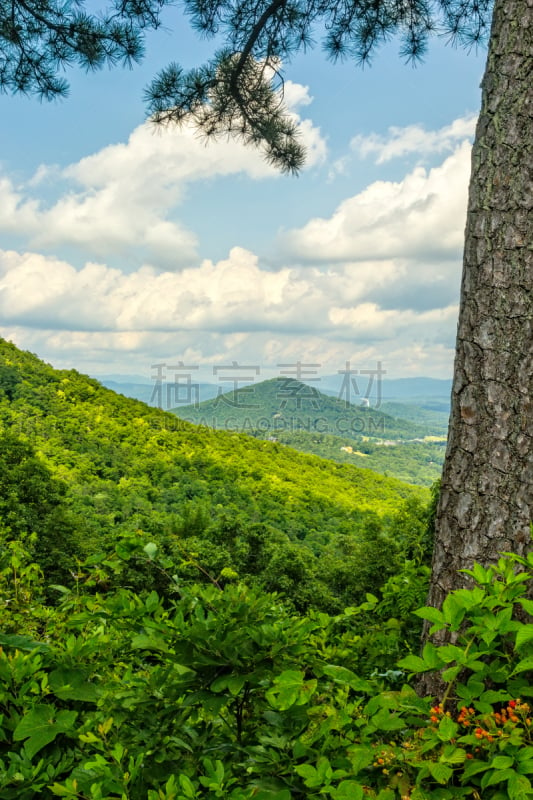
column 286, row 404
column 416, row 425
column 419, row 391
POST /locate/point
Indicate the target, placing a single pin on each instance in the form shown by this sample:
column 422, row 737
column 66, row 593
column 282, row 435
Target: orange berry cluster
column 495, row 721
column 510, row 714
column 465, row 716
column 384, row 760
column 437, row 712
column 481, row 733
column 498, row 719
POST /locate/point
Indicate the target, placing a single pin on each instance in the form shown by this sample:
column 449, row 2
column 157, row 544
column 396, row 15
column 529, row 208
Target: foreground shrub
column 222, row 693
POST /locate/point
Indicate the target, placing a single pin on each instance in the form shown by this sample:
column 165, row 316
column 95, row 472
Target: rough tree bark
column 486, row 502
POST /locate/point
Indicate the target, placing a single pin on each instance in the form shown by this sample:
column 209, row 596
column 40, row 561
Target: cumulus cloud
column 377, row 280
column 414, row 139
column 232, row 309
column 233, row 294
column 422, row 216
column 134, row 352
column 236, row 294
column 123, row 199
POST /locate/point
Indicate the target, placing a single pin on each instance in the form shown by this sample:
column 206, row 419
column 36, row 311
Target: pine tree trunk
column 486, row 502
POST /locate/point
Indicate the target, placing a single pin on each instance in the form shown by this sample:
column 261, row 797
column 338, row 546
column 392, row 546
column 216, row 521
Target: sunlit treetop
column 240, row 90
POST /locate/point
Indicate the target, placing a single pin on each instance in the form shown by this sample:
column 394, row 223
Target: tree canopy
column 240, row 90
column 40, row 38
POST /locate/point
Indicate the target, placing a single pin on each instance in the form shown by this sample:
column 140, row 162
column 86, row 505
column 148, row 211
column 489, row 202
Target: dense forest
column 190, row 613
column 286, row 404
column 418, row 462
column 407, row 444
column 109, row 466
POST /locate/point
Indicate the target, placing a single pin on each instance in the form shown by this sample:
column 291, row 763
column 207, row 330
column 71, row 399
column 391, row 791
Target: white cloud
column 422, row 216
column 124, row 352
column 233, row 295
column 231, row 310
column 296, row 95
column 122, row 200
column 414, row 139
column 378, row 280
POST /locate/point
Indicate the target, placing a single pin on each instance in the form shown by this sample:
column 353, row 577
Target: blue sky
column 122, row 246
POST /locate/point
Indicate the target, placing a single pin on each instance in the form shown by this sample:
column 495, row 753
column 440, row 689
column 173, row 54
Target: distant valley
column 399, row 430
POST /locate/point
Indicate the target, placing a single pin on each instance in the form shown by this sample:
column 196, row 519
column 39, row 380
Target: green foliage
column 222, row 692
column 158, row 673
column 283, row 407
column 300, row 416
column 9, row 380
column 410, row 461
column 32, row 507
column 38, row 41
column 238, row 91
column 83, row 467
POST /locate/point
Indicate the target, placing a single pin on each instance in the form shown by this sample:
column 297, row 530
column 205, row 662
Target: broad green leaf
column 413, row 664
column 496, row 776
column 431, row 614
column 480, row 574
column 187, row 786
column 451, row 673
column 144, row 641
column 527, row 605
column 346, row 676
column 233, row 683
column 306, row 771
column 71, row 684
column 287, row 690
column 453, row 755
column 70, row 789
column 150, row 549
column 447, row 729
column 453, row 610
column 524, row 635
column 152, row 601
column 347, row 790
column 360, row 758
column 21, row 642
column 495, row 696
column 441, row 772
column 450, row 652
column 431, row 656
column 519, row 787
column 501, row 762
column 385, row 721
column 523, row 666
column 41, row 725
column 473, row 768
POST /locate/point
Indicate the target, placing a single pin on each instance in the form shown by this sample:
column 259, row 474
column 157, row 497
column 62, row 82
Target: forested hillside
column 286, row 404
column 165, row 635
column 418, row 462
column 89, row 466
column 407, row 444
